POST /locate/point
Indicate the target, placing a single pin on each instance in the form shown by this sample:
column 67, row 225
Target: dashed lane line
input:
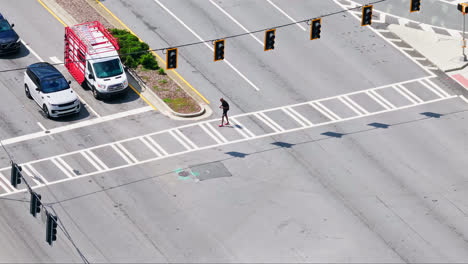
column 206, row 44
column 154, row 53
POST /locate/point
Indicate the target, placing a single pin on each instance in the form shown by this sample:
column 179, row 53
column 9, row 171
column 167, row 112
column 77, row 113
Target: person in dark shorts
column 225, row 106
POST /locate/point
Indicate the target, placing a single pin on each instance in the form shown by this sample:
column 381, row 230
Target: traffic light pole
column 464, row 40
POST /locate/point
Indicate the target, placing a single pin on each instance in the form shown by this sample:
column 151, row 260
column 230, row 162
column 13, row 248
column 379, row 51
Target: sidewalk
column 444, row 51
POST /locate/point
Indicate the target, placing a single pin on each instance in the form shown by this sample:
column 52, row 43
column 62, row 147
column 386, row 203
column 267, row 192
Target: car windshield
column 4, row 26
column 108, row 68
column 54, row 85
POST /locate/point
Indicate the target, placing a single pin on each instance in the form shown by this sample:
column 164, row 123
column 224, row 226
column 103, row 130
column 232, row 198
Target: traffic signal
column 15, row 174
column 366, row 15
column 35, row 203
column 463, row 7
column 219, row 50
column 415, row 5
column 315, row 28
column 171, row 58
column 51, row 228
column 270, row 39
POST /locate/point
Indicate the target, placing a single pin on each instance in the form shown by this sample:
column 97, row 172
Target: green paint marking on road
column 196, row 174
column 178, row 171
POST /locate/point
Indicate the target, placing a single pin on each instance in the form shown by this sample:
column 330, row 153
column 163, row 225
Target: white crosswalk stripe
column 62, row 167
column 158, row 147
column 245, row 133
column 241, row 128
column 151, row 147
column 5, row 184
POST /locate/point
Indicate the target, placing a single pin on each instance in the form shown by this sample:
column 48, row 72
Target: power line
column 45, row 206
column 226, row 37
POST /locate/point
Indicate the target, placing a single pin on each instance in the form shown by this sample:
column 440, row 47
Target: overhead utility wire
column 228, row 37
column 44, row 207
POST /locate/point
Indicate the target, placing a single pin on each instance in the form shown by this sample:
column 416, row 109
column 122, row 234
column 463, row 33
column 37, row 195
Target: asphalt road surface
column 343, row 149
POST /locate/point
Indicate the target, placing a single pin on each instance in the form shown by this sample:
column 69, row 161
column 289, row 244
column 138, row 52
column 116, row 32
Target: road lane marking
column 389, row 40
column 301, row 117
column 432, row 89
column 237, row 22
column 244, row 129
column 154, row 53
column 152, row 148
column 442, row 91
column 53, row 14
column 219, row 135
column 350, row 106
column 41, row 126
column 328, row 111
column 260, row 116
column 118, row 151
column 299, row 121
column 382, row 99
column 355, row 104
column 411, row 94
column 91, row 160
column 463, row 98
column 76, row 125
column 56, row 60
column 32, row 51
column 97, row 160
column 5, row 184
column 34, row 174
column 58, row 165
column 267, row 118
column 399, row 90
column 239, row 128
column 176, row 136
column 207, row 131
column 130, row 155
column 152, row 141
column 284, row 13
column 217, row 145
column 206, row 44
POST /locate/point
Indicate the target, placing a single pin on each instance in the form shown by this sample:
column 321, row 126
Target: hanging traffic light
column 463, row 7
column 366, row 15
column 315, row 28
column 35, row 204
column 270, row 39
column 15, row 174
column 51, row 228
column 171, row 59
column 219, row 50
column 415, row 5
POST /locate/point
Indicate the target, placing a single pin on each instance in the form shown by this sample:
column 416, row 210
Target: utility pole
column 463, row 7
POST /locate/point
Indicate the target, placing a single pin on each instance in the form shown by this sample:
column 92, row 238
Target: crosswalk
column 206, row 134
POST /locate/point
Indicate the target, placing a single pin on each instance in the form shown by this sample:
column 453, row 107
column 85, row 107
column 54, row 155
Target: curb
column 161, row 102
column 457, row 69
column 102, row 10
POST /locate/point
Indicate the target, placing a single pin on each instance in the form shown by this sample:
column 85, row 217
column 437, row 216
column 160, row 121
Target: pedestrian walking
column 225, row 106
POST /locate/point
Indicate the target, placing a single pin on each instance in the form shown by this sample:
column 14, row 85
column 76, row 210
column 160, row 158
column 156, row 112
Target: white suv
column 48, row 87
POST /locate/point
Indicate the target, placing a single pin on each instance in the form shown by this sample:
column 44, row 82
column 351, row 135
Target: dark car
column 9, row 40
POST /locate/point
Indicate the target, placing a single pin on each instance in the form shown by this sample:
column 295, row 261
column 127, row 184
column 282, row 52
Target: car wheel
column 96, row 93
column 46, row 111
column 26, row 91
